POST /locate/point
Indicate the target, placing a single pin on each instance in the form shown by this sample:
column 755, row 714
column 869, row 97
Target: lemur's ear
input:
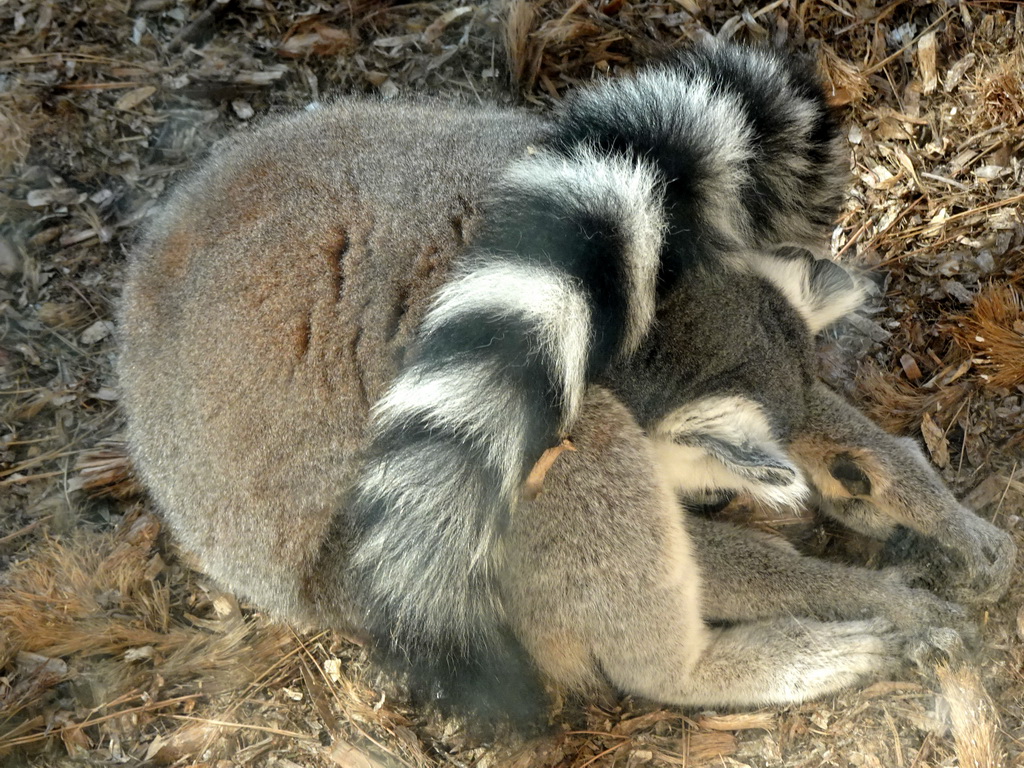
column 821, row 290
column 753, row 459
column 728, row 443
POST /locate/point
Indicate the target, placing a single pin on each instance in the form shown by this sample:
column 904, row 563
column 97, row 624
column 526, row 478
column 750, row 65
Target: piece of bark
column 535, row 480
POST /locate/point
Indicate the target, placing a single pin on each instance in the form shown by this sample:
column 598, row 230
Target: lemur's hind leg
column 773, row 662
column 598, row 579
column 875, row 483
column 748, row 575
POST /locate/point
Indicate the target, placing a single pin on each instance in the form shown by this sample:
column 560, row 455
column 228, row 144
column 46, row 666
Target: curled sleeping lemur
column 441, row 375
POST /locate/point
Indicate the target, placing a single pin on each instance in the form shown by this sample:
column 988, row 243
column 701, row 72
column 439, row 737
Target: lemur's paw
column 927, row 612
column 973, row 565
column 826, row 657
column 990, row 559
column 936, row 646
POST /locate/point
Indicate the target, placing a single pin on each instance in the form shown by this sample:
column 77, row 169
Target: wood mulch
column 113, row 650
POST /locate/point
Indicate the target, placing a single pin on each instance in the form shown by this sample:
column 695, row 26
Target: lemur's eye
column 853, row 478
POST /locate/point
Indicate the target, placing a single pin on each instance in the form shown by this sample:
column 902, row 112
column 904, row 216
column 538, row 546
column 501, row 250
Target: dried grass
column 847, row 83
column 899, row 405
column 103, row 595
column 994, row 334
column 972, row 716
column 1000, row 91
column 106, row 470
column 16, row 125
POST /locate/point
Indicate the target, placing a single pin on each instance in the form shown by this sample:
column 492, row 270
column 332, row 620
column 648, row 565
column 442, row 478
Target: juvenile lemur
column 350, row 336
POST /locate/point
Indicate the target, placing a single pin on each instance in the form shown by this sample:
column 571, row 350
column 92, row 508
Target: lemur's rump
column 348, row 338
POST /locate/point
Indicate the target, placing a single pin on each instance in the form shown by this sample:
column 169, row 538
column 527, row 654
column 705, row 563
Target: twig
column 247, row 727
column 944, row 180
column 28, row 478
column 874, row 68
column 899, row 217
column 599, row 755
column 1009, row 482
column 95, row 721
column 926, row 744
column 27, row 529
column 857, row 235
column 99, row 86
column 338, row 699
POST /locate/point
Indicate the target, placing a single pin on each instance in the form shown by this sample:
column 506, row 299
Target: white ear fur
column 821, row 290
column 726, row 443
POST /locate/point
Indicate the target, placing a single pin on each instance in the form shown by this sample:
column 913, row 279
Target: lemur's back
column 277, row 292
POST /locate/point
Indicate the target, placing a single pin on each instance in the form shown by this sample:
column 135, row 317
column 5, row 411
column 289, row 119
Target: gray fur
column 604, row 575
column 901, row 488
column 763, row 355
column 270, row 308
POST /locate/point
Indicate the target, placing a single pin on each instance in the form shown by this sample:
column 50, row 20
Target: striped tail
column 560, row 282
column 643, row 179
column 744, row 137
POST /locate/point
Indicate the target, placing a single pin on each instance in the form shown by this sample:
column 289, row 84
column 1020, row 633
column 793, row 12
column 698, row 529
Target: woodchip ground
column 113, row 650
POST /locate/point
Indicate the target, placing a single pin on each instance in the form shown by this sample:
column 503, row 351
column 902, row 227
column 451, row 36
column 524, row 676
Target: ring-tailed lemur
column 348, row 340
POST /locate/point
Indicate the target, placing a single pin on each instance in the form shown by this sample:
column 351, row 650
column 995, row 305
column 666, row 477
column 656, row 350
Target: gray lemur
column 356, row 333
